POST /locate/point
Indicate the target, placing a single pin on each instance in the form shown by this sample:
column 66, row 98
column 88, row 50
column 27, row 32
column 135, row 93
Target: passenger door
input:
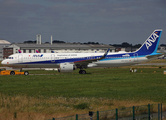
column 52, row 58
column 20, row 58
column 135, row 57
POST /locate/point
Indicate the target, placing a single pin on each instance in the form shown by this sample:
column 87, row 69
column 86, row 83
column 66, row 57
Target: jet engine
column 66, row 67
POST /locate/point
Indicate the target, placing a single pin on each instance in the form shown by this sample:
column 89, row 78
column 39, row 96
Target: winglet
column 105, row 54
column 86, row 62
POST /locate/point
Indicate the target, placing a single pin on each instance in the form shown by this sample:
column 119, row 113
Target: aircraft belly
column 35, row 65
column 42, row 65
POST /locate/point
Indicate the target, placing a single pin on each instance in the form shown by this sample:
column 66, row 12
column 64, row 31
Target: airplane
column 68, row 62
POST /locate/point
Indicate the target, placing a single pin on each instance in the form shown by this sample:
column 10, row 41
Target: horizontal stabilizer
column 154, row 56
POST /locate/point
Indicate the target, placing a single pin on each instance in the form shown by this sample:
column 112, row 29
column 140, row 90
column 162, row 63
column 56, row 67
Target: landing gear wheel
column 12, row 73
column 26, row 73
column 82, row 72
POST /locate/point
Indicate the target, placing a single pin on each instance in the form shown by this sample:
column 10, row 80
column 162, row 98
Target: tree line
column 124, row 44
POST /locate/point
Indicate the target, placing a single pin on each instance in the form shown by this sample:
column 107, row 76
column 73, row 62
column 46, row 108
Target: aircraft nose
column 3, row 62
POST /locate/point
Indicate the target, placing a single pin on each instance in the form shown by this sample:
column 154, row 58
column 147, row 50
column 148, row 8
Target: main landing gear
column 82, row 72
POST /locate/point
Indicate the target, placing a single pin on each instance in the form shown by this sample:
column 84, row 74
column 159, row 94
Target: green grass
column 113, row 83
column 46, row 94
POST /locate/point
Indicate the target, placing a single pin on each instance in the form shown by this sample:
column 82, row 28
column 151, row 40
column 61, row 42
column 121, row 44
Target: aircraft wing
column 86, row 62
column 155, row 56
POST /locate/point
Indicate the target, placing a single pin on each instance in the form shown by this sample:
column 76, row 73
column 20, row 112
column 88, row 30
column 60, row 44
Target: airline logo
column 38, row 55
column 151, row 40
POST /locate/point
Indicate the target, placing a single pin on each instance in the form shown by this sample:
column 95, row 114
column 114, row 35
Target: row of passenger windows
column 67, row 57
column 36, row 58
column 71, row 58
column 117, row 57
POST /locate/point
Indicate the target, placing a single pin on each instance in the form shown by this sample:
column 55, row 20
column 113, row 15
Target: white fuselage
column 53, row 60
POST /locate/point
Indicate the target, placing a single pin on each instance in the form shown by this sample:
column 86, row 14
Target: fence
column 146, row 112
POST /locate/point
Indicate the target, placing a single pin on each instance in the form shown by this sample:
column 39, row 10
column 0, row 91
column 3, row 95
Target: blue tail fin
column 151, row 44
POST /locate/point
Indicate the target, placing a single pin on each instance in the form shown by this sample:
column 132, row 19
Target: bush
column 160, row 67
column 81, row 106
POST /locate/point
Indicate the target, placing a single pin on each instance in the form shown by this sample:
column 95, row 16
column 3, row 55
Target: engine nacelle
column 66, row 67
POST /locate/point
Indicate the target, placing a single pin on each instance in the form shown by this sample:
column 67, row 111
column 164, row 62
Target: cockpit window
column 10, row 58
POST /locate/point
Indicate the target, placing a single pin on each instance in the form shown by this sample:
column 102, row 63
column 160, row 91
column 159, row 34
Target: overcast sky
column 103, row 21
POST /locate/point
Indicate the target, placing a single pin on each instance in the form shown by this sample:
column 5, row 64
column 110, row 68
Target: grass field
column 116, row 83
column 46, row 94
column 62, row 94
